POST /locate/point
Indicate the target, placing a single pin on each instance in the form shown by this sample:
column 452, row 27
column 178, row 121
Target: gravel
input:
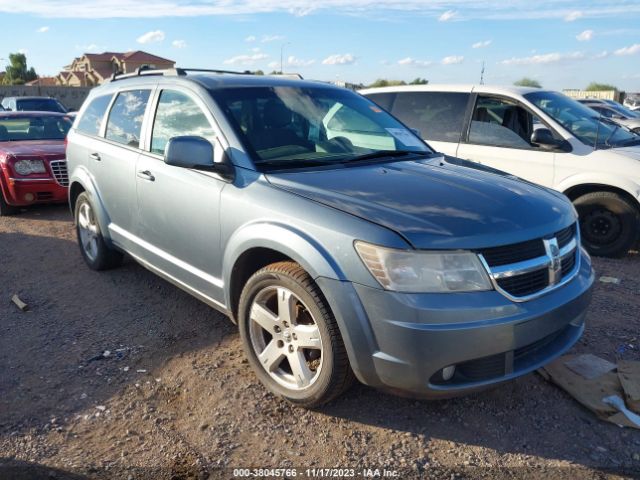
column 175, row 398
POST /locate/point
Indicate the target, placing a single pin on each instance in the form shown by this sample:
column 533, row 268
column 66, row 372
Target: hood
column 629, row 152
column 436, row 204
column 38, row 148
column 629, row 122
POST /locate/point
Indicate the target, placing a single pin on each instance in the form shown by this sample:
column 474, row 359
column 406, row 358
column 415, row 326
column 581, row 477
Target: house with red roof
column 95, row 68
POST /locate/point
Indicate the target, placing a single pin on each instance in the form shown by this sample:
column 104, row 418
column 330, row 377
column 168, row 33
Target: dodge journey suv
column 335, row 238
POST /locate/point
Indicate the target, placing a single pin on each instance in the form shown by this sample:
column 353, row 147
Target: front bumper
column 23, row 192
column 403, row 341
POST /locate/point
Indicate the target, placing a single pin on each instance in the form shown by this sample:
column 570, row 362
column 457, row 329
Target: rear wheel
column 609, row 224
column 291, row 337
column 96, row 253
column 5, row 208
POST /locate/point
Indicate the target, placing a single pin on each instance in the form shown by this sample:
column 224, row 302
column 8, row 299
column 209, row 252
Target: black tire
column 609, row 223
column 335, row 374
column 104, row 258
column 5, row 208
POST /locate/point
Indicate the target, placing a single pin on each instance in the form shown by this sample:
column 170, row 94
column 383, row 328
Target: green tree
column 527, row 82
column 381, row 82
column 419, row 81
column 17, row 72
column 598, row 87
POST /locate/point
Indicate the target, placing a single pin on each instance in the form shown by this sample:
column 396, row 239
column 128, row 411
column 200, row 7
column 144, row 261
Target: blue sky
column 562, row 44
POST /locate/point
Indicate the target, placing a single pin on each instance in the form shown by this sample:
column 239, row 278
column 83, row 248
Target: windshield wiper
column 384, row 154
column 295, row 163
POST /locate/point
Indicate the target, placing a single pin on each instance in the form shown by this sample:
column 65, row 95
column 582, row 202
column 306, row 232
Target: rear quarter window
column 91, row 120
column 437, row 116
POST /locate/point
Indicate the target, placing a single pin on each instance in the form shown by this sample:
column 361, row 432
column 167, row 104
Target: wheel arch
column 260, row 244
column 577, row 191
column 80, row 182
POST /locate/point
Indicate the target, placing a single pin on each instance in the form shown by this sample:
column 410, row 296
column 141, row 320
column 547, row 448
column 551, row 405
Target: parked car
column 33, row 104
column 334, row 253
column 632, row 103
column 618, row 115
column 32, row 160
column 538, row 135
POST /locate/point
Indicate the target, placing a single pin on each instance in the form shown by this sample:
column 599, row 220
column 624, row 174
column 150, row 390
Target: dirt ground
column 176, row 399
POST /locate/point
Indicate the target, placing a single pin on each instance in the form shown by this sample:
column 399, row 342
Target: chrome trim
column 550, row 262
column 31, row 179
column 60, row 172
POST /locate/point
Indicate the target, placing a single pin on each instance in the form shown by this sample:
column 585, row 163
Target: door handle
column 146, row 175
column 95, row 156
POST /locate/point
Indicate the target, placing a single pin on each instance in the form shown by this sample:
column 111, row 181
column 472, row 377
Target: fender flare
column 612, row 181
column 282, row 238
column 82, row 177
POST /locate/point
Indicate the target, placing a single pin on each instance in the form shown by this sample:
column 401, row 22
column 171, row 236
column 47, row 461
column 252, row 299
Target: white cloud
column 631, row 50
column 411, row 62
column 573, row 16
column 23, row 51
column 452, row 60
column 544, row 59
column 92, row 47
column 250, row 38
column 246, row 59
column 43, row 29
column 298, row 62
column 179, row 44
column 448, row 15
column 603, row 54
column 585, row 36
column 151, row 37
column 271, row 38
column 484, row 44
column 339, row 59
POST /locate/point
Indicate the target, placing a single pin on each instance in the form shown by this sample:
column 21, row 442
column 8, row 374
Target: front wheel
column 291, row 337
column 609, row 224
column 96, row 253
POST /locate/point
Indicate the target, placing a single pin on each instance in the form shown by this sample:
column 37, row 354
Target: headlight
column 27, row 167
column 415, row 271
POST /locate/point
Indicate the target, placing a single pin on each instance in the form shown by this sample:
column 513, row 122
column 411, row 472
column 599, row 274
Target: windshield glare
column 34, row 128
column 295, row 127
column 39, row 105
column 582, row 121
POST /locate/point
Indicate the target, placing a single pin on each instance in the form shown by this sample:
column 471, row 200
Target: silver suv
column 338, row 241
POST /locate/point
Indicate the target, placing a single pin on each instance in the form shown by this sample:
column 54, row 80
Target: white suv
column 538, row 135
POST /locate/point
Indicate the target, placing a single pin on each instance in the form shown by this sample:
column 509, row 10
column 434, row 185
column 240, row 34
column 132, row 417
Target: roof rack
column 145, row 70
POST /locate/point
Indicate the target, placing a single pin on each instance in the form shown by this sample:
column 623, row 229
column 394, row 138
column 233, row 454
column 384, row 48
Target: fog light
column 29, row 197
column 448, row 372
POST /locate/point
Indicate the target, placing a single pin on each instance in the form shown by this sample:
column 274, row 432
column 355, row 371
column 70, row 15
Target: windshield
column 585, row 124
column 293, row 127
column 34, row 128
column 40, row 105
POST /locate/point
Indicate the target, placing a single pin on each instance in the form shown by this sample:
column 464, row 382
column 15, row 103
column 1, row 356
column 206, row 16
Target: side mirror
column 545, row 139
column 197, row 153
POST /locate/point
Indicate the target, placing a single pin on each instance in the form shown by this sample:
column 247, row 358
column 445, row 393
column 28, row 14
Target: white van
column 541, row 136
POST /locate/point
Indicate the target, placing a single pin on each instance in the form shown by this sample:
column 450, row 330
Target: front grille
column 59, row 170
column 523, row 269
column 517, row 252
column 44, row 195
column 525, row 284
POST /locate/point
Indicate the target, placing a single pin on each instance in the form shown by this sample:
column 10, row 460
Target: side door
column 438, row 116
column 113, row 159
column 178, row 228
column 499, row 136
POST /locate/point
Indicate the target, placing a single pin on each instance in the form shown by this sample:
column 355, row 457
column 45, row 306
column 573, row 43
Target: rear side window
column 125, row 119
column 438, row 116
column 178, row 115
column 91, row 121
column 384, row 100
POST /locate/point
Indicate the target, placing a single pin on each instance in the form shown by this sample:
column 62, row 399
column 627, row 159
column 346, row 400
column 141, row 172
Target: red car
column 33, row 168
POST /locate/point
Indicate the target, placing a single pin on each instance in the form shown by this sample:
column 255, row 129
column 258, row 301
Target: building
column 95, row 68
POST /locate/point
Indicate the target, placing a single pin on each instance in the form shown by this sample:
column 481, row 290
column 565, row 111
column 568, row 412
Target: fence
column 70, row 97
column 601, row 95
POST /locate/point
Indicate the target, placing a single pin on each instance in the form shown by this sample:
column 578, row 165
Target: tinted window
column 438, row 116
column 40, row 105
column 178, row 115
column 383, row 99
column 91, row 120
column 41, row 127
column 125, row 119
